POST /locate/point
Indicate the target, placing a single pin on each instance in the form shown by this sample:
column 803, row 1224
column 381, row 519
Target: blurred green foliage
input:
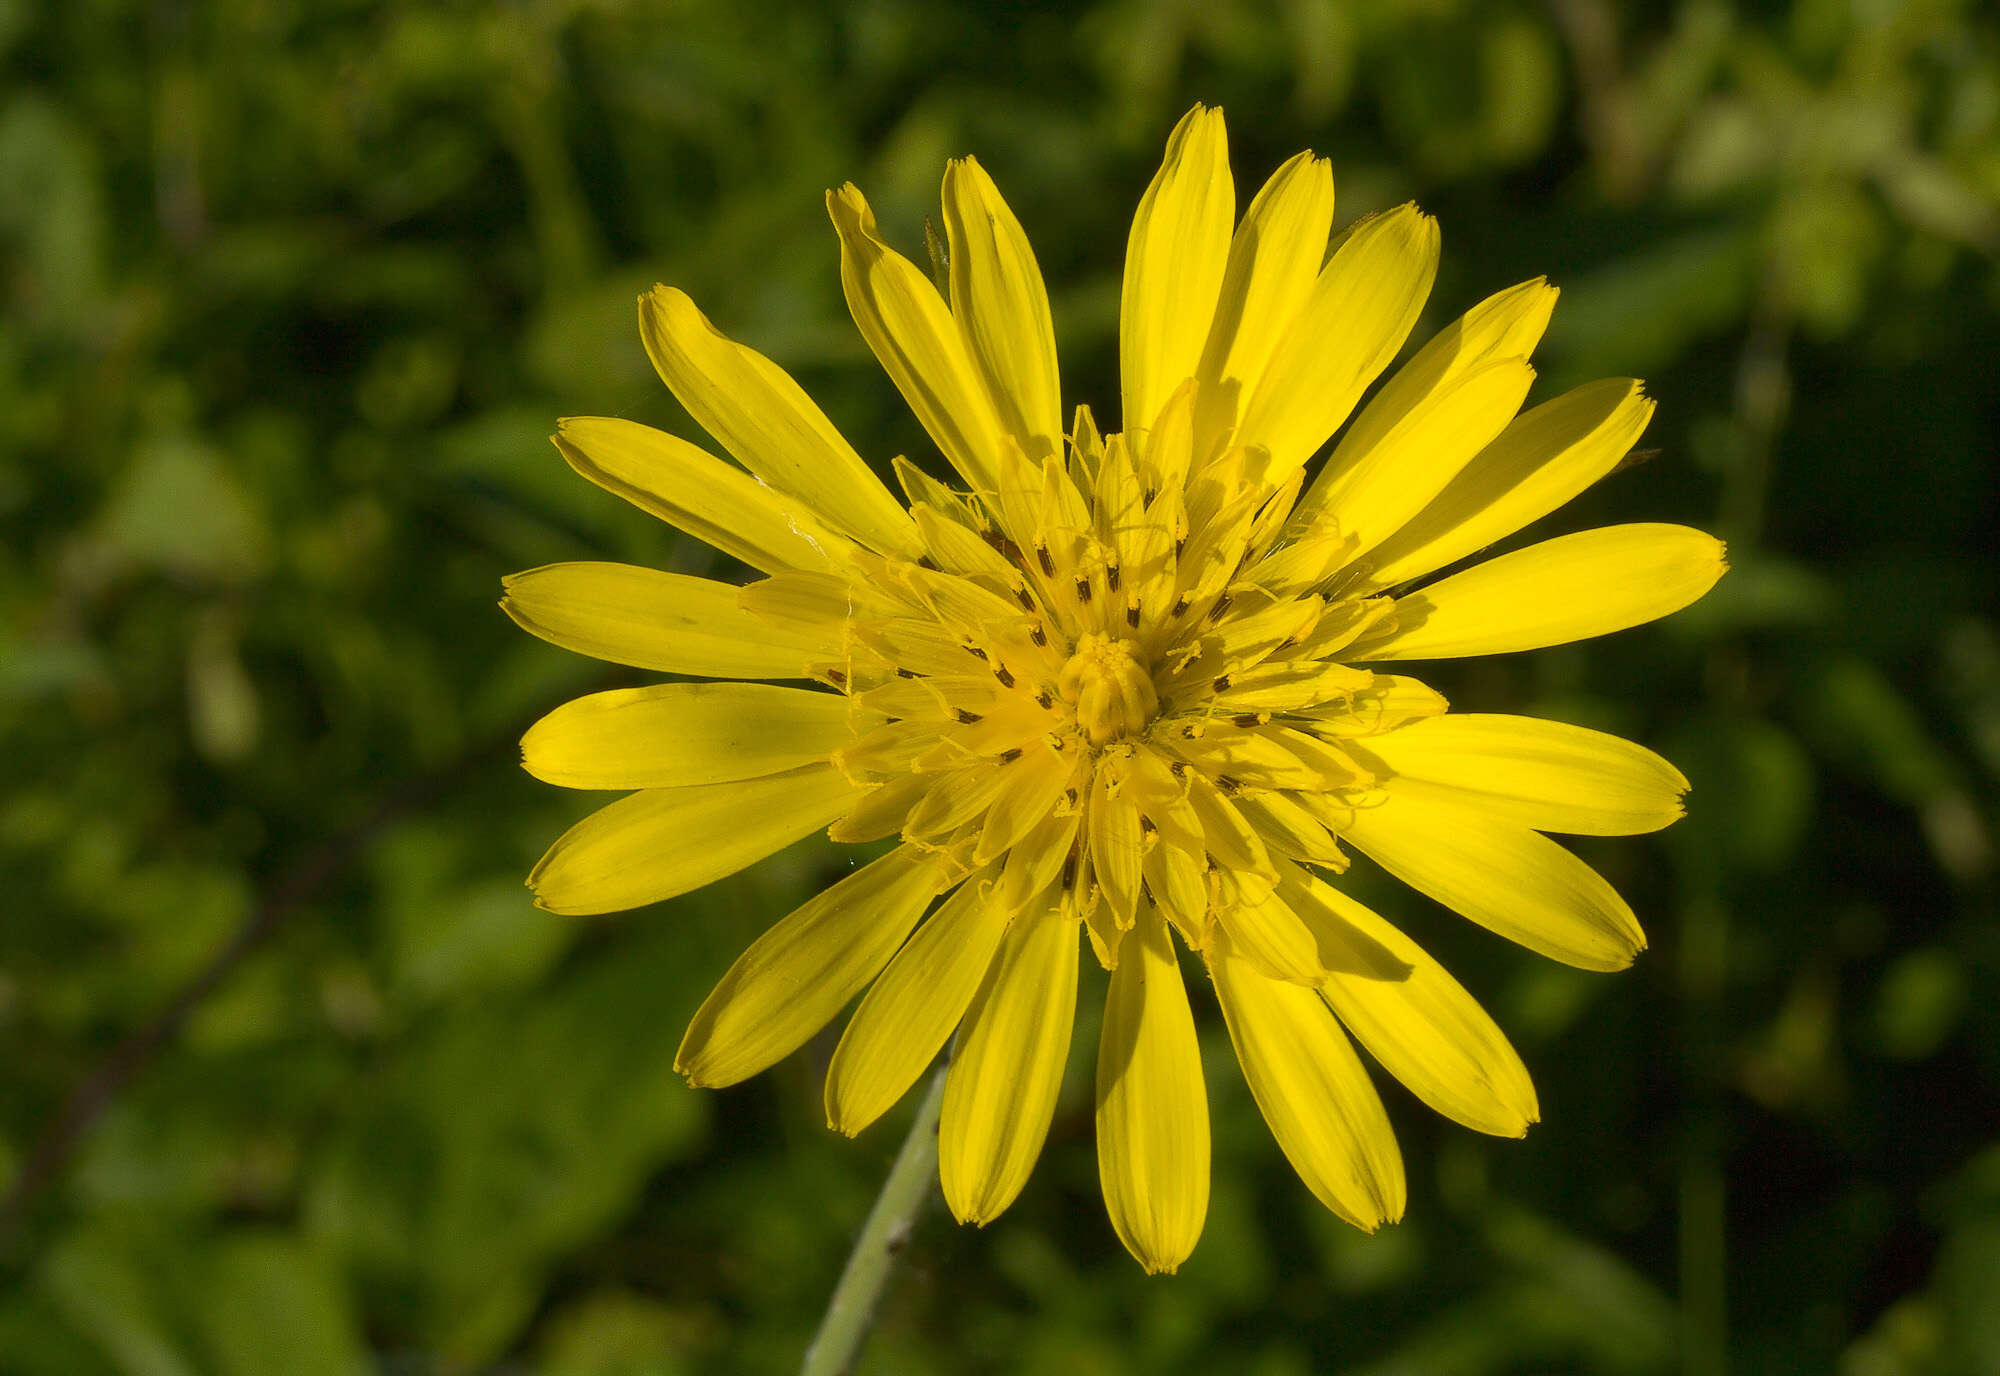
column 290, row 295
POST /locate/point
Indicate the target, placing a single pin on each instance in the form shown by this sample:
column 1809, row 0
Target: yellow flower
column 1112, row 682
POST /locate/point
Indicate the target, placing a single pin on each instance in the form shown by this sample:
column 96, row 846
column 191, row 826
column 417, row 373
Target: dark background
column 290, row 296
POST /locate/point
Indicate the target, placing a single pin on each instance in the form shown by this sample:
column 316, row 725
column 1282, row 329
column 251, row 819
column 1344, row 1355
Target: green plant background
column 290, row 296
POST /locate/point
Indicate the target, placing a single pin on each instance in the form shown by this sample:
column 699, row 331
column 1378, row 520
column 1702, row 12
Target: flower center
column 1109, row 688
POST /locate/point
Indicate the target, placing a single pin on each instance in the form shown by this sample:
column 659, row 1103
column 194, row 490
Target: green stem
column 851, row 1312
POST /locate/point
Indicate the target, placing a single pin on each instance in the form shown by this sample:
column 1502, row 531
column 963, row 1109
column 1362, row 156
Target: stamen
column 976, row 652
column 1132, row 611
column 1044, row 701
column 967, row 717
column 1025, row 598
column 924, row 561
column 1010, row 755
column 1147, row 826
column 905, row 673
column 1111, row 574
column 1083, row 589
column 1038, row 635
column 1006, row 679
column 837, row 678
column 1042, row 557
column 1221, row 606
column 1251, row 719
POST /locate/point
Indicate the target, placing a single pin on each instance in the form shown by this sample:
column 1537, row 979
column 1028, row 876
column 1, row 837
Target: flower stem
column 911, row 1183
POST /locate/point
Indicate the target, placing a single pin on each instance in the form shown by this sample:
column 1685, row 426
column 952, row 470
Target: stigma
column 1108, row 688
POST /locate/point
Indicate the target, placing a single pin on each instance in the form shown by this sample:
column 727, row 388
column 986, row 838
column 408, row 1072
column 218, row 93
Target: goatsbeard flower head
column 1133, row 683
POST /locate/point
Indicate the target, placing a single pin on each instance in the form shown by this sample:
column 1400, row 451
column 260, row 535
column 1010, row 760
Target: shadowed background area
column 295, row 1078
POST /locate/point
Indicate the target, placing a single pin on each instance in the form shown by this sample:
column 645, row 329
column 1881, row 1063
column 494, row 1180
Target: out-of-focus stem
column 911, row 1183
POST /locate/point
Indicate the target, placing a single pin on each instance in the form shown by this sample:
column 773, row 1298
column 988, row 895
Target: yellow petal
column 1008, row 1068
column 1570, row 588
column 1152, row 1107
column 758, row 413
column 698, row 493
column 1508, row 879
column 1361, row 310
column 1375, row 491
column 1311, row 1088
column 1269, row 935
column 1117, row 843
column 905, row 1017
column 1548, row 775
column 919, row 345
column 1000, row 304
column 671, row 735
column 1543, row 459
column 652, row 620
column 1273, row 260
column 1506, row 325
column 1412, row 1016
column 1174, row 265
column 666, row 841
column 796, row 976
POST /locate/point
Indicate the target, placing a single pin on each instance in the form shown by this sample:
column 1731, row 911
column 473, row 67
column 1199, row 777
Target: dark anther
column 905, row 673
column 976, row 652
column 995, row 539
column 1083, row 589
column 926, row 562
column 1069, row 868
column 1227, row 784
column 1070, row 794
column 967, row 717
column 1025, row 598
column 1221, row 606
column 1044, row 700
column 1146, row 825
column 837, row 678
column 1180, row 769
column 1111, row 574
column 1221, row 683
column 1038, row 635
column 1010, row 755
column 1248, row 719
column 1006, row 679
column 1132, row 613
column 1151, row 493
column 1042, row 557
